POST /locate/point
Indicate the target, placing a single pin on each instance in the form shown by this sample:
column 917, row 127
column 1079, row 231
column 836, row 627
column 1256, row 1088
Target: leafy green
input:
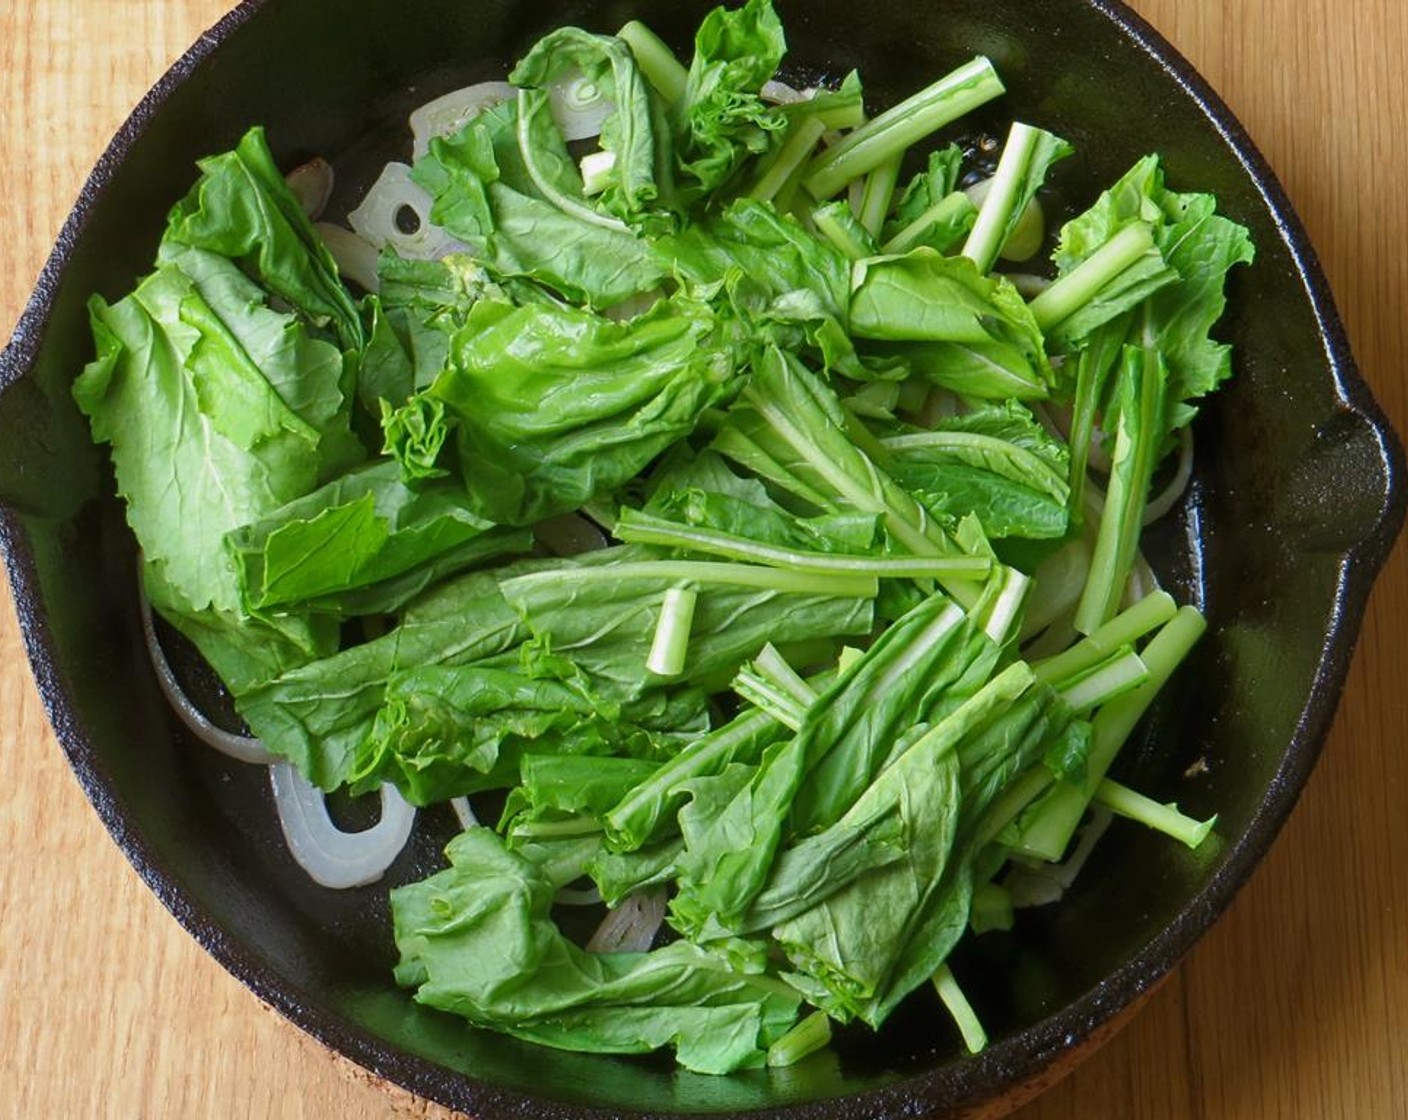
column 602, row 617
column 319, row 715
column 477, row 939
column 638, row 817
column 485, row 196
column 995, row 461
column 628, row 133
column 720, row 120
column 929, row 190
column 364, row 544
column 244, row 210
column 447, row 730
column 219, row 410
column 973, row 334
column 552, row 406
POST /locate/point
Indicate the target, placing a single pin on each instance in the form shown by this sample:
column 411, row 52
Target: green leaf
column 602, row 617
column 553, row 406
column 485, row 196
column 244, row 210
column 628, row 133
column 364, row 544
column 190, row 394
column 972, row 334
column 996, row 462
column 477, row 940
column 720, row 121
column 319, row 715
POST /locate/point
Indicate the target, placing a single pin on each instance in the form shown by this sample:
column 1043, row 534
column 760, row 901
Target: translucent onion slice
column 312, row 182
column 634, row 305
column 356, row 257
column 376, row 219
column 331, row 857
column 579, row 106
column 780, row 93
column 1040, row 884
column 1159, row 505
column 1060, row 579
column 1142, row 581
column 1028, row 285
column 632, row 926
column 446, row 115
column 463, row 811
column 239, row 747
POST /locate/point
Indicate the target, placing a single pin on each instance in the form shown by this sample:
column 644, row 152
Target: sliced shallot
column 632, row 926
column 312, row 182
column 396, row 212
column 579, row 106
column 331, row 857
column 1040, row 884
column 355, row 256
column 446, row 115
column 464, row 812
column 780, row 93
column 574, row 896
column 239, row 747
column 1159, row 505
column 569, row 534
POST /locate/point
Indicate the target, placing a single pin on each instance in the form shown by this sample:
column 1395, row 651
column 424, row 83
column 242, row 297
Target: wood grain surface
column 1296, row 1004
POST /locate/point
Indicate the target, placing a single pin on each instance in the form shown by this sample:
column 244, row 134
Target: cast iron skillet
column 1295, row 505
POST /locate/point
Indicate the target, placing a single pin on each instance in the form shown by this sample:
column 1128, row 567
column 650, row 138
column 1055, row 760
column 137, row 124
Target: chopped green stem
column 831, row 221
column 948, row 209
column 893, row 131
column 1084, row 282
column 810, row 1035
column 995, row 216
column 702, row 572
column 795, row 151
column 768, row 696
column 1163, row 818
column 671, row 645
column 1007, row 608
column 1012, row 801
column 644, row 528
column 849, row 656
column 596, row 171
column 879, row 193
column 974, row 1037
column 1121, row 673
column 992, row 908
column 772, row 665
column 1124, row 629
column 656, row 61
column 1056, row 817
column 1139, row 436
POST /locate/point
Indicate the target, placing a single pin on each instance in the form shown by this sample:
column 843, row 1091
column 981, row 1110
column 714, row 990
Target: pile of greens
column 836, row 674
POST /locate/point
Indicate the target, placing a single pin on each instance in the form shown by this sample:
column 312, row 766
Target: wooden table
column 1296, row 1005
